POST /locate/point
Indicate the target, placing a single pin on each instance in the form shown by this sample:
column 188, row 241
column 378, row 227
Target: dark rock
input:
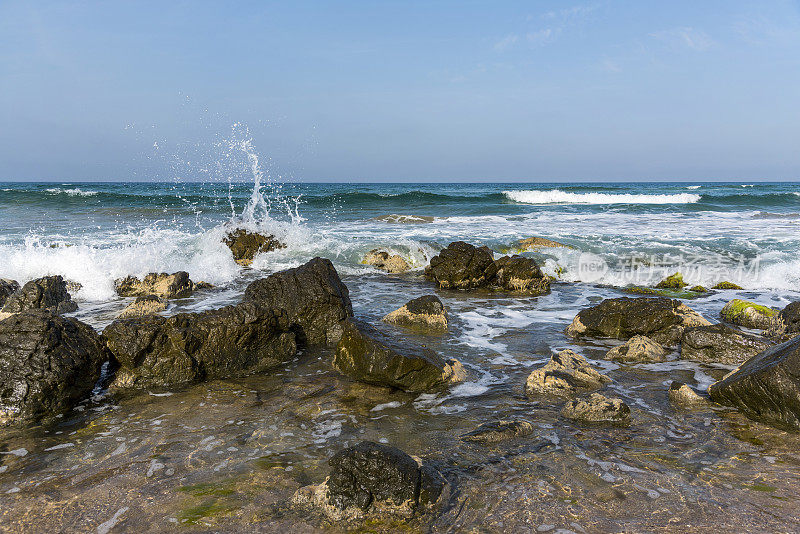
column 168, row 286
column 766, row 387
column 367, row 355
column 790, row 316
column 598, row 409
column 391, row 263
column 566, row 374
column 47, row 364
column 147, row 305
column 245, row 245
column 48, row 293
column 516, row 273
column 638, row 349
column 371, row 477
column 496, row 431
column 313, row 301
column 425, row 312
column 749, row 314
column 7, row 288
column 294, row 308
column 720, row 344
column 661, row 319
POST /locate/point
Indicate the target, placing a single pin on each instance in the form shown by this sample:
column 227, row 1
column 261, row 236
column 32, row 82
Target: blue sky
column 403, row 91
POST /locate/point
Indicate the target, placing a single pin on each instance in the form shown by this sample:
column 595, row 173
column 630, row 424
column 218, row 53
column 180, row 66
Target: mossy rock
column 698, row 289
column 749, row 314
column 727, row 285
column 670, row 293
column 672, row 282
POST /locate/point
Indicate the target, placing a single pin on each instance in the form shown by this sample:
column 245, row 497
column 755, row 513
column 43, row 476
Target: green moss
column 208, row 508
column 669, row 293
column 208, row 488
column 737, row 308
column 698, row 289
column 762, row 487
column 726, row 285
column 672, row 282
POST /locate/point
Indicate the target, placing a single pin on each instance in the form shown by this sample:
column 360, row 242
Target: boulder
column 566, row 374
column 698, row 289
column 766, row 387
column 598, row 409
column 374, row 478
column 425, row 312
column 787, row 325
column 749, row 315
column 168, row 286
column 661, row 319
column 367, row 355
column 48, row 363
column 720, row 344
column 682, row 395
column 464, row 266
column 7, row 288
column 147, row 305
column 674, row 281
column 391, row 263
column 638, row 349
column 246, row 245
column 726, row 285
column 298, row 307
column 536, row 243
column 48, row 293
column 497, row 431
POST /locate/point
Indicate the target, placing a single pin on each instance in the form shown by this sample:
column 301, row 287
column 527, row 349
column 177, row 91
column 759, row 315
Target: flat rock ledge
column 661, row 319
column 368, row 355
column 638, row 349
column 426, row 312
column 147, row 305
column 598, row 409
column 566, row 374
column 497, row 431
column 720, row 344
column 371, row 479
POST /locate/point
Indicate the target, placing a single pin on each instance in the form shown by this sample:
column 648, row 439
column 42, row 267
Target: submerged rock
column 7, row 288
column 246, row 245
column 638, row 349
column 726, row 285
column 749, row 314
column 683, row 395
column 661, row 319
column 674, row 281
column 536, row 243
column 720, row 344
column 48, row 293
column 598, row 409
column 425, row 312
column 147, row 305
column 766, row 387
column 298, row 307
column 464, row 266
column 47, row 364
column 373, row 478
column 169, row 286
column 367, row 355
column 496, row 431
column 566, row 374
column 391, row 263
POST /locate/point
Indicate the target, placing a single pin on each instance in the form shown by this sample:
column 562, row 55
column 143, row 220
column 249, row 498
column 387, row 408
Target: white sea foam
column 556, row 196
column 693, row 187
column 75, row 192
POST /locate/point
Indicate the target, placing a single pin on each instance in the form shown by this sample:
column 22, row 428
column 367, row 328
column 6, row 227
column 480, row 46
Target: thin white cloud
column 609, row 65
column 685, row 37
column 506, row 42
column 541, row 37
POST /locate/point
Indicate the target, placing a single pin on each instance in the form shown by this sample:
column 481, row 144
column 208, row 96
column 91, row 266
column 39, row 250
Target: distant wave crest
column 556, row 196
column 76, row 192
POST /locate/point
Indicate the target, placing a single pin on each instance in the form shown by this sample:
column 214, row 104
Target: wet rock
column 720, row 344
column 374, row 478
column 766, row 387
column 726, row 285
column 391, row 263
column 536, row 243
column 425, row 312
column 48, row 363
column 246, row 245
column 295, row 308
column 672, row 282
column 167, row 286
column 661, row 319
column 682, row 395
column 73, row 286
column 7, row 288
column 464, row 266
column 48, row 293
column 698, row 289
column 367, row 355
column 516, row 273
column 638, row 349
column 312, row 300
column 497, row 431
column 598, row 409
column 787, row 324
column 566, row 374
column 147, row 305
column 748, row 314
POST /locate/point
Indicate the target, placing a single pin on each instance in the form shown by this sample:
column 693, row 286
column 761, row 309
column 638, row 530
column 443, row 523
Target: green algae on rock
column 749, row 314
